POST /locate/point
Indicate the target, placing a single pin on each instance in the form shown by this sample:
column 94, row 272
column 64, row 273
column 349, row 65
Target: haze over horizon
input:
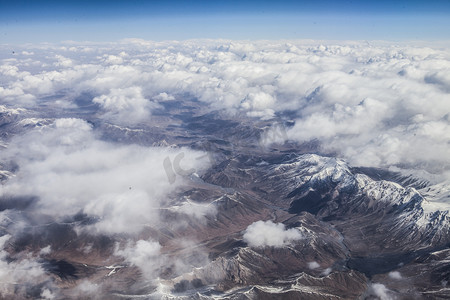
column 55, row 21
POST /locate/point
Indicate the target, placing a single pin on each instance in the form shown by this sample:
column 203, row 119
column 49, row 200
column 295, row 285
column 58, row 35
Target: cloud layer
column 375, row 105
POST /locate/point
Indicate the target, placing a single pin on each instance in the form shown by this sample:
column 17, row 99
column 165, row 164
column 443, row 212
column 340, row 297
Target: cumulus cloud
column 161, row 97
column 112, row 59
column 395, row 275
column 46, row 250
column 63, row 61
column 269, row 234
column 125, row 106
column 313, row 265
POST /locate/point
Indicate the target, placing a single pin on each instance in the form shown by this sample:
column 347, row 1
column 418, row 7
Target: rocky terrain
column 273, row 220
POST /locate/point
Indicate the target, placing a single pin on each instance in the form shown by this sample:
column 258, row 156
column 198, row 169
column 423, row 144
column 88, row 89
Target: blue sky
column 53, row 21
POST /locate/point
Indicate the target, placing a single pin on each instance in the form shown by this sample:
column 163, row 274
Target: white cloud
column 71, row 171
column 375, row 105
column 163, row 97
column 395, row 275
column 381, row 291
column 262, row 234
column 47, row 294
column 363, row 101
column 86, row 289
column 46, row 250
column 196, row 210
column 143, row 254
column 193, row 255
column 113, row 59
column 327, row 271
column 63, row 61
column 18, row 274
column 257, row 101
column 313, row 265
column 275, row 133
column 125, row 106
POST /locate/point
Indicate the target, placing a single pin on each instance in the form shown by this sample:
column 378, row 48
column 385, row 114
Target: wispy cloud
column 71, row 171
